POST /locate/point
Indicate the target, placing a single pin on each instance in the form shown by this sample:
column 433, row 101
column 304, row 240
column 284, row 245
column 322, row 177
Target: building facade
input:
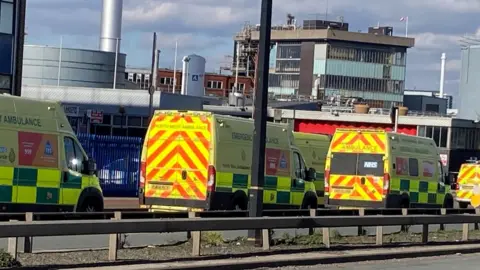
column 44, row 65
column 12, row 35
column 217, row 85
column 328, row 60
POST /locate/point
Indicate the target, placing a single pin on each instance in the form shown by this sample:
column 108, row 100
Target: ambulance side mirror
column 311, row 174
column 89, row 167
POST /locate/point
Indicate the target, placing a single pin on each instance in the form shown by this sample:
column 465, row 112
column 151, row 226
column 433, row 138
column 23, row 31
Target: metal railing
column 195, row 225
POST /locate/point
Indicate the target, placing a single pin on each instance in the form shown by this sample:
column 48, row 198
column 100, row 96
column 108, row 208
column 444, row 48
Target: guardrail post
column 443, row 212
column 13, row 245
column 196, row 237
column 28, row 241
column 113, row 246
column 266, row 239
column 465, row 232
column 477, row 212
column 118, row 216
column 404, row 228
column 326, row 237
column 361, row 212
column 425, row 234
column 311, row 231
column 379, row 236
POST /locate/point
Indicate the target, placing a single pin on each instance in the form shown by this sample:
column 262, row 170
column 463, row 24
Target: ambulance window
column 73, row 155
column 413, row 166
column 440, row 172
column 79, row 156
column 299, row 166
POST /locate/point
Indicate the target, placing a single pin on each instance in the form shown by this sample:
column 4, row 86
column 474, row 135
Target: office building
column 321, row 59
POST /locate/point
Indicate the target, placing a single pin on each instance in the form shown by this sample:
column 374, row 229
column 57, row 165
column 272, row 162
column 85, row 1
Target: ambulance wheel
column 239, row 201
column 310, row 202
column 448, row 202
column 91, row 204
column 405, row 201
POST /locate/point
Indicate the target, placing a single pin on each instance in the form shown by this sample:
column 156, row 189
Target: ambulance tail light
column 212, row 178
column 143, row 174
column 327, row 179
column 386, row 183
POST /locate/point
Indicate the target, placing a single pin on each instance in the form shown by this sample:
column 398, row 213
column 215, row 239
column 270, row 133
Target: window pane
column 5, row 82
column 436, row 135
column 443, row 137
column 135, row 121
column 119, row 120
column 370, row 164
column 344, row 164
column 413, row 166
column 6, row 43
column 6, row 18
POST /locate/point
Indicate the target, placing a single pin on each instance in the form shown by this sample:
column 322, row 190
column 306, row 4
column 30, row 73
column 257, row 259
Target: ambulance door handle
column 65, row 176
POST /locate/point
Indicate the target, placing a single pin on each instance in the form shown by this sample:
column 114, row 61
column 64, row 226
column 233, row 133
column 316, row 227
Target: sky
column 207, row 27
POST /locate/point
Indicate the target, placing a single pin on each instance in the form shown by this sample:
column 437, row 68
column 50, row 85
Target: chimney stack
column 442, row 74
column 111, row 28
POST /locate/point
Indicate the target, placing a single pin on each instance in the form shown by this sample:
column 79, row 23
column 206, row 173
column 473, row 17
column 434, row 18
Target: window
column 6, row 51
column 74, row 155
column 413, row 167
column 166, row 81
column 215, row 85
column 428, row 168
column 421, row 130
column 299, row 166
column 441, row 178
column 119, row 120
column 135, row 121
column 357, row 164
column 443, row 137
column 5, row 82
column 6, row 18
column 401, row 166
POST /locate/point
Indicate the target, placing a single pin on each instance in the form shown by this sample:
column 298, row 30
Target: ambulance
column 314, row 148
column 43, row 167
column 467, row 187
column 195, row 160
column 377, row 169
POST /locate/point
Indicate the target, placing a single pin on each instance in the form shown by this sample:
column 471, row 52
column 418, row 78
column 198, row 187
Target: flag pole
column 406, row 26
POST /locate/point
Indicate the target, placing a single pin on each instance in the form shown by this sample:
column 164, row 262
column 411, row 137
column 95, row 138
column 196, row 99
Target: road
column 464, row 262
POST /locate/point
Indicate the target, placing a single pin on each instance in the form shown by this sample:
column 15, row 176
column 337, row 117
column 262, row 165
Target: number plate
column 464, row 187
column 342, row 190
column 161, row 187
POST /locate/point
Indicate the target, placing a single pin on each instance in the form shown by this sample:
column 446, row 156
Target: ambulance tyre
column 239, row 201
column 310, row 201
column 448, row 202
column 460, row 205
column 405, row 201
column 90, row 200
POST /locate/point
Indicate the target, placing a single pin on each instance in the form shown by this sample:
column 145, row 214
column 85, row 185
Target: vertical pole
column 406, row 26
column 397, row 110
column 260, row 125
column 236, row 68
column 60, row 61
column 116, row 66
column 175, row 68
column 153, row 86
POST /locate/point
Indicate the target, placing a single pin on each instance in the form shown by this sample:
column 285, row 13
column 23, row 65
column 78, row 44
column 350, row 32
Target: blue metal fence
column 118, row 162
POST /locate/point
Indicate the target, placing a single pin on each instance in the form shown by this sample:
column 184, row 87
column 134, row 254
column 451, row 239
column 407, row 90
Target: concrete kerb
column 311, row 258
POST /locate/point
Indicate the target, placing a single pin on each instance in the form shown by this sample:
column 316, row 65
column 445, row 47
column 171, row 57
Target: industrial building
column 427, row 101
column 469, row 93
column 103, row 68
column 321, row 59
column 12, row 35
column 215, row 84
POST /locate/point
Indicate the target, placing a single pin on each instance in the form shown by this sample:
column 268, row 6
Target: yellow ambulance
column 375, row 168
column 314, row 148
column 43, row 167
column 195, row 160
column 467, row 186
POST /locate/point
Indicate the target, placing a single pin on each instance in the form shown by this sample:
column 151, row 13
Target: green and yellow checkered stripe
column 277, row 190
column 419, row 191
column 39, row 186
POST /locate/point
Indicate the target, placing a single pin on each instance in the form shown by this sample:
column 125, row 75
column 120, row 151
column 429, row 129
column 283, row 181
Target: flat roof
column 331, row 34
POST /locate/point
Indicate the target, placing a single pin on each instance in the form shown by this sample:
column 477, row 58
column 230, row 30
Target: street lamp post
column 260, row 129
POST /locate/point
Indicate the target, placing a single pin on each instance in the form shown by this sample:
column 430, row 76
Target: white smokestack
column 442, row 74
column 185, row 75
column 111, row 30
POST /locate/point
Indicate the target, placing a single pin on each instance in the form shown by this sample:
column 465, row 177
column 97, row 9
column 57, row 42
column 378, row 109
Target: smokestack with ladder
column 442, row 74
column 111, row 28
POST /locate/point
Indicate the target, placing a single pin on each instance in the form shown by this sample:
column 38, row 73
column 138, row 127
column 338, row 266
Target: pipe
column 185, row 75
column 442, row 74
column 111, row 27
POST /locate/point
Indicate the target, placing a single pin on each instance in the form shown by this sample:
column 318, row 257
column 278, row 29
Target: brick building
column 215, row 84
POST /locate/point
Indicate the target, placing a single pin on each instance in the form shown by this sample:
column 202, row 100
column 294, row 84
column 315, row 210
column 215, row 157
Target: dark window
column 119, row 132
column 107, row 119
column 119, row 120
column 137, row 132
column 299, row 166
column 6, row 47
column 370, row 164
column 443, row 137
column 135, row 121
column 100, row 130
column 436, row 135
column 413, row 167
column 74, row 155
column 343, row 164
